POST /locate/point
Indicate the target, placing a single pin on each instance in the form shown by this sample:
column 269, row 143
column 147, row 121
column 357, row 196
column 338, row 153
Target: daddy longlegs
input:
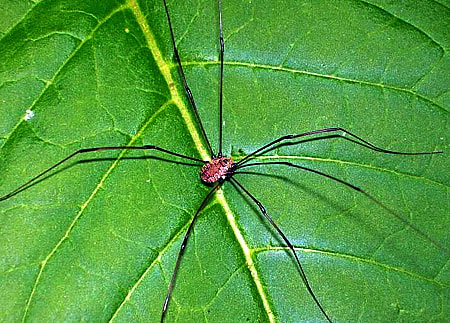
column 220, row 169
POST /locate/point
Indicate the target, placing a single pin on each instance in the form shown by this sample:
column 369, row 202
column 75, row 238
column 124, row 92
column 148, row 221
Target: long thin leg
column 289, row 244
column 185, row 84
column 359, row 140
column 87, row 150
column 181, row 252
column 222, row 51
column 360, row 190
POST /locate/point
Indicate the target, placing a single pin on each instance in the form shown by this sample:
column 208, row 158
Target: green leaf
column 97, row 239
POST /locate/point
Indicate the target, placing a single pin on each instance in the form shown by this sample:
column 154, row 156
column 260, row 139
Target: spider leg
column 185, row 84
column 286, row 240
column 355, row 138
column 182, row 249
column 222, row 51
column 360, row 190
column 87, row 150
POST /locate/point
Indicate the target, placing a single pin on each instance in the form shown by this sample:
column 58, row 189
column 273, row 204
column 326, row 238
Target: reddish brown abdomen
column 216, row 169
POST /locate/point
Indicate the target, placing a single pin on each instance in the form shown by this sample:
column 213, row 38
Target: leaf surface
column 97, row 239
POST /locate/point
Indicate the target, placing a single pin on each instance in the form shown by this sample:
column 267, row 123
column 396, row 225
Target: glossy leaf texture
column 96, row 240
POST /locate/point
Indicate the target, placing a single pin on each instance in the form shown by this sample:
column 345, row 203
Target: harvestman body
column 221, row 169
column 217, row 169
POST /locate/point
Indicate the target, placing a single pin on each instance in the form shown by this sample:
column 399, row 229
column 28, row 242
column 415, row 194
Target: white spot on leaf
column 28, row 115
